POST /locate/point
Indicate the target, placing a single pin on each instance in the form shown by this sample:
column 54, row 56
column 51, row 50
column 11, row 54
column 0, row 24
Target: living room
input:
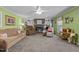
column 39, row 28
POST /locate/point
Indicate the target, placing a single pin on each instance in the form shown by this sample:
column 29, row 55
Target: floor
column 39, row 43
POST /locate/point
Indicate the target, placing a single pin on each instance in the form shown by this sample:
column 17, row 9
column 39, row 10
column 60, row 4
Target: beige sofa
column 12, row 36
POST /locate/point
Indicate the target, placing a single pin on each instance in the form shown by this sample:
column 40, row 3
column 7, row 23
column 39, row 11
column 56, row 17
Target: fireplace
column 39, row 28
column 39, row 24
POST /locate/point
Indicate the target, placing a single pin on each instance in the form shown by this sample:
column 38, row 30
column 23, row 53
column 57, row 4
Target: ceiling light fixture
column 39, row 10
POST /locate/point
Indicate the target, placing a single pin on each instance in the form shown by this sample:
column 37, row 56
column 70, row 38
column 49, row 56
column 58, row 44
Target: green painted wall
column 55, row 25
column 6, row 12
column 75, row 24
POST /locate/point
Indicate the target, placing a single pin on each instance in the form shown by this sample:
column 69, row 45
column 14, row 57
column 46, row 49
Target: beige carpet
column 39, row 43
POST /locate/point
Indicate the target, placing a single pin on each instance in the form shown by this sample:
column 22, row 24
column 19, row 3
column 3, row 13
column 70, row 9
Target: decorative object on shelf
column 9, row 20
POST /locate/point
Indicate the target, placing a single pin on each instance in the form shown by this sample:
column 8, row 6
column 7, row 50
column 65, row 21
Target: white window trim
column 1, row 18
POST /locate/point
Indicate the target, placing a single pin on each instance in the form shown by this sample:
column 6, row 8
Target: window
column 1, row 15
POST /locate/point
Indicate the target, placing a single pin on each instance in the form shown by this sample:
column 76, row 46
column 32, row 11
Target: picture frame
column 39, row 21
column 9, row 20
column 68, row 20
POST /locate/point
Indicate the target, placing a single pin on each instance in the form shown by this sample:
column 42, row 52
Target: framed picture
column 39, row 21
column 68, row 19
column 9, row 20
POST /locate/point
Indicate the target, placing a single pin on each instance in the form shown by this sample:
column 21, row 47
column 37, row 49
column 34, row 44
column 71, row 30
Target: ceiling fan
column 38, row 10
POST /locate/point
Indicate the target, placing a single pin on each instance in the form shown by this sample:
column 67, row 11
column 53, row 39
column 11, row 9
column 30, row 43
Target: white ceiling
column 28, row 10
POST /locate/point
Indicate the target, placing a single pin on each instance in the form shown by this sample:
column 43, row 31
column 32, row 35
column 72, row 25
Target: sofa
column 69, row 35
column 12, row 36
